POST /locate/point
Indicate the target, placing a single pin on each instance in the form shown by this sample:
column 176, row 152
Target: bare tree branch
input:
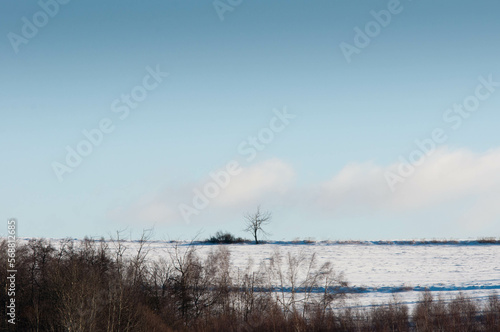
column 255, row 221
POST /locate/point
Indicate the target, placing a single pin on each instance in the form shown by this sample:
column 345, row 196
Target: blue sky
column 323, row 176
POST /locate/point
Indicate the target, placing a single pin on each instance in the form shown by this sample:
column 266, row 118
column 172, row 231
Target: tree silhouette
column 255, row 221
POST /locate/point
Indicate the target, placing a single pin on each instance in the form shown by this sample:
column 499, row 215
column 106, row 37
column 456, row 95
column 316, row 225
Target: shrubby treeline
column 97, row 285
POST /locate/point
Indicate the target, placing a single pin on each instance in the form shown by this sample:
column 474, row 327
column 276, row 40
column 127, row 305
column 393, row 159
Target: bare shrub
column 312, row 288
column 391, row 317
column 91, row 285
column 492, row 313
column 462, row 314
column 224, row 238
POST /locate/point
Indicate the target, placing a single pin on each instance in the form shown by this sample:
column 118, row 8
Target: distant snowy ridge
column 466, row 242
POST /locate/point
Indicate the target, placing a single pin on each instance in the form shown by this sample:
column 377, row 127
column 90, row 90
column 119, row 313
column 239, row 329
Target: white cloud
column 442, row 183
column 264, row 183
column 147, row 210
column 268, row 180
column 444, row 179
column 450, row 175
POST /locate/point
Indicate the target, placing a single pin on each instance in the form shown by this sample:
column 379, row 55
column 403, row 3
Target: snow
column 378, row 270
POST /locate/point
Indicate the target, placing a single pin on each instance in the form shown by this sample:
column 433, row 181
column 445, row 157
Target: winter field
column 376, row 271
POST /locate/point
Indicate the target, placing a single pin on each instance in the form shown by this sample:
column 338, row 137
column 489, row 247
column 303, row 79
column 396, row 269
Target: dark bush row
column 91, row 286
column 225, row 238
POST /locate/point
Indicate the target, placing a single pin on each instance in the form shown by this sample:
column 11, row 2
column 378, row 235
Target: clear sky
column 314, row 106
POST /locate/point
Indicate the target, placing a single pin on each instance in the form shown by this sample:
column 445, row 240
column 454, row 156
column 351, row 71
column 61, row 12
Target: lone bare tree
column 255, row 221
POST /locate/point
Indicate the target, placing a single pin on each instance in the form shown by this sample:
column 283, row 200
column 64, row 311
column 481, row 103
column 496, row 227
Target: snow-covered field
column 376, row 270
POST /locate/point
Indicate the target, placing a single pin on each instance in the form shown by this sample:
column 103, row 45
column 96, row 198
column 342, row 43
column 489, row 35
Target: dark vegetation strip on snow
column 481, row 241
column 484, row 241
column 91, row 286
column 384, row 289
